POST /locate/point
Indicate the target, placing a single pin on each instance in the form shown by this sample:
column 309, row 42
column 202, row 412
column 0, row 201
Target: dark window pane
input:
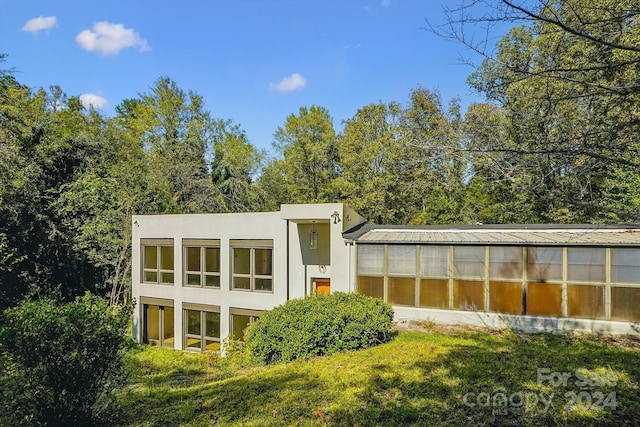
column 153, row 325
column 544, row 299
column 544, row 264
column 371, row 286
column 468, row 295
column 150, row 257
column 242, row 260
column 434, row 293
column 193, row 259
column 625, row 304
column 168, row 328
column 239, row 324
column 166, row 277
column 212, row 260
column 166, row 257
column 263, row 284
column 505, row 297
column 212, row 345
column 194, row 343
column 505, row 262
column 402, row 290
column 263, row 262
column 212, row 324
column 468, row 261
column 586, row 301
column 193, row 279
column 150, row 277
column 193, row 322
column 625, row 265
column 212, row 281
column 586, row 264
column 241, row 283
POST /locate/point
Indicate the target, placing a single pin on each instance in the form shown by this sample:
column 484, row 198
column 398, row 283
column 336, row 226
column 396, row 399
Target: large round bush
column 320, row 325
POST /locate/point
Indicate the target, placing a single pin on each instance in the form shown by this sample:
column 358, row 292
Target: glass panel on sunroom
column 586, row 265
column 505, row 262
column 585, row 301
column 434, row 293
column 544, row 299
column 625, row 304
column 371, row 286
column 434, row 261
column 401, row 259
column 402, row 290
column 544, row 264
column 468, row 295
column 468, row 261
column 370, row 259
column 505, row 297
column 625, row 265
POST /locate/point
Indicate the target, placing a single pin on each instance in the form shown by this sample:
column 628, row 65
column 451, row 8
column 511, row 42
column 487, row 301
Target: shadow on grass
column 495, row 382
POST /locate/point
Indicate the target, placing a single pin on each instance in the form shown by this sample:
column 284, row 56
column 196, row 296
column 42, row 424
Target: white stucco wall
column 224, row 227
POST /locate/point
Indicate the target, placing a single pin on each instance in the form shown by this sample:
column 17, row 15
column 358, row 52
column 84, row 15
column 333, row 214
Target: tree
column 567, row 82
column 61, row 362
column 307, row 143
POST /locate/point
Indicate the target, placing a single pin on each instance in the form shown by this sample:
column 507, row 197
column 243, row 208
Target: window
column 370, row 270
column 240, row 321
column 402, row 273
column 201, row 330
column 544, row 287
column 625, row 265
column 505, row 279
column 202, row 263
column 158, row 325
column 434, row 276
column 469, row 273
column 252, row 268
column 157, row 261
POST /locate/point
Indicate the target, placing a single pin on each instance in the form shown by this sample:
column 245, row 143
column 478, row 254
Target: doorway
column 321, row 286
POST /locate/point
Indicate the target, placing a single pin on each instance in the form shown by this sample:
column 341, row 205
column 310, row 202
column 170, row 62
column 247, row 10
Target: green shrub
column 319, row 325
column 61, row 361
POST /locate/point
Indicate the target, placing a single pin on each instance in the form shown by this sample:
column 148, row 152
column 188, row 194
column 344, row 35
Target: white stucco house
column 198, row 278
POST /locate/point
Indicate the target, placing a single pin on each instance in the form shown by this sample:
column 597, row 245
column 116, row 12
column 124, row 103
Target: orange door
column 322, row 286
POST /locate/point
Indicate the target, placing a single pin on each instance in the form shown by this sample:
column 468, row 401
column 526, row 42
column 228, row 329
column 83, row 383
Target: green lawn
column 437, row 378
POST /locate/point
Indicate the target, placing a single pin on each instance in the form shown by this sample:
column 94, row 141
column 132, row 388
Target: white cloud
column 90, row 100
column 40, row 23
column 109, row 39
column 289, row 84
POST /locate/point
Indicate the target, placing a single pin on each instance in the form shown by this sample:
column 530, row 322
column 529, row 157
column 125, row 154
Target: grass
column 418, row 379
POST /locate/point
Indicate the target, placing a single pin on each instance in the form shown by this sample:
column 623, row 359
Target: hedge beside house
column 320, row 325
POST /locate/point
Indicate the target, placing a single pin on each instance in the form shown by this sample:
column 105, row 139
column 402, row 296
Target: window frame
column 158, row 270
column 202, row 245
column 252, row 246
column 202, row 337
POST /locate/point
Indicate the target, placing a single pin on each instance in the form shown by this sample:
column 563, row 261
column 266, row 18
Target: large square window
column 252, row 266
column 157, row 262
column 202, row 263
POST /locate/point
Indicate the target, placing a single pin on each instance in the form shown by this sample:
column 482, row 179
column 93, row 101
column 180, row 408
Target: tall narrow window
column 544, row 281
column 505, row 279
column 158, row 325
column 434, row 276
column 157, row 261
column 370, row 270
column 201, row 329
column 468, row 285
column 586, row 289
column 202, row 263
column 252, row 265
column 402, row 274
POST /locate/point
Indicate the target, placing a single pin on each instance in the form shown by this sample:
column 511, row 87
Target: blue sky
column 254, row 62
